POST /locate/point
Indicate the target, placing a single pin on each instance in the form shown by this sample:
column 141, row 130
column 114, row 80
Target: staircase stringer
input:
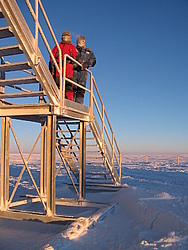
column 26, row 42
column 102, row 149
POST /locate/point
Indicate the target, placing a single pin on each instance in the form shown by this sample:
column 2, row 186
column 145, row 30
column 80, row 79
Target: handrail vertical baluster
column 36, row 31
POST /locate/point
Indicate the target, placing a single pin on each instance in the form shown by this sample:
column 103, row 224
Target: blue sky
column 141, row 48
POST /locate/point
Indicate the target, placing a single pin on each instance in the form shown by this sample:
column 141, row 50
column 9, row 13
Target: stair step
column 96, row 178
column 93, row 151
column 14, row 66
column 66, row 138
column 22, row 94
column 10, row 50
column 17, row 81
column 91, row 173
column 1, row 15
column 62, row 122
column 5, row 32
column 66, row 131
column 94, row 168
column 91, row 145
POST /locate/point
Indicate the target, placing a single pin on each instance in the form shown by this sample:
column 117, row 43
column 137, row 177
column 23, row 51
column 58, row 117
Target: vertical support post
column 61, row 79
column 36, row 30
column 40, row 97
column 82, row 166
column 103, row 128
column 43, row 171
column 103, row 144
column 91, row 95
column 51, row 140
column 5, row 142
column 113, row 150
column 2, row 74
column 64, row 76
column 120, row 168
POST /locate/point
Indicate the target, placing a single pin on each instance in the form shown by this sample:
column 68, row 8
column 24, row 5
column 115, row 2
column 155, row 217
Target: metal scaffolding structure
column 81, row 135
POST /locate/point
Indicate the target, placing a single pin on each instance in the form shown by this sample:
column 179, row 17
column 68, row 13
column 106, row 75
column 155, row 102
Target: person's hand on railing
column 84, row 65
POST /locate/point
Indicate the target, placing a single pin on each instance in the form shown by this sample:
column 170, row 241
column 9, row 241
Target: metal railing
column 108, row 141
column 38, row 29
column 113, row 154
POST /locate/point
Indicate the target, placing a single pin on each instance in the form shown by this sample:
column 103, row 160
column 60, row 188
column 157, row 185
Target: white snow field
column 150, row 211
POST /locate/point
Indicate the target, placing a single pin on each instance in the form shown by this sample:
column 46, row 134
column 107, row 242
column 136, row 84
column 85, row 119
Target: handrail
column 39, row 29
column 112, row 141
column 62, row 93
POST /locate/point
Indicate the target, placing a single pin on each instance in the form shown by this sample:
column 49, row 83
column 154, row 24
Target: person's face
column 81, row 43
column 65, row 38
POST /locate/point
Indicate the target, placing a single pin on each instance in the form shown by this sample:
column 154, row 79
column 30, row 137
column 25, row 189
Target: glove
column 85, row 65
column 75, row 66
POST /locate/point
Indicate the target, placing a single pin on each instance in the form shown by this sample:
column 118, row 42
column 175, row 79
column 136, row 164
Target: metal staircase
column 8, row 51
column 98, row 165
column 81, row 134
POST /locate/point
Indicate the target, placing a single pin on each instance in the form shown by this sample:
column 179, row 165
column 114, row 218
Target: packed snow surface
column 149, row 211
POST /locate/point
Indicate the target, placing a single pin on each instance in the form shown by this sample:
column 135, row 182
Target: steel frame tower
column 65, row 125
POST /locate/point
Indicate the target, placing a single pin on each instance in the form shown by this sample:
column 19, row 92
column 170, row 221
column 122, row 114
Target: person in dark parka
column 87, row 58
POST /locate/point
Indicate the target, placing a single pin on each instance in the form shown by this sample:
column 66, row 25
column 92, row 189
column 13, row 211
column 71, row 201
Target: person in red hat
column 66, row 47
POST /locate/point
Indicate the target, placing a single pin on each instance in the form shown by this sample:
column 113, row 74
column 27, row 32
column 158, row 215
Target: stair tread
column 10, row 50
column 14, row 66
column 97, row 178
column 5, row 32
column 17, row 81
column 22, row 94
column 96, row 174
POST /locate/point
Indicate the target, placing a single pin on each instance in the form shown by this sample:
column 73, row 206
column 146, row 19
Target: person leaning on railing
column 87, row 58
column 66, row 47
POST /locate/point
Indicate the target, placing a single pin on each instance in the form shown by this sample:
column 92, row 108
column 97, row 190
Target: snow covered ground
column 151, row 213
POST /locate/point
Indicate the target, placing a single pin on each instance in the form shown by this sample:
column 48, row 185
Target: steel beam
column 5, row 142
column 82, row 161
column 51, row 140
column 43, row 171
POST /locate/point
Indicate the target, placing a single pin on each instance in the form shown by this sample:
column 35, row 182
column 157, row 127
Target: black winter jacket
column 86, row 57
